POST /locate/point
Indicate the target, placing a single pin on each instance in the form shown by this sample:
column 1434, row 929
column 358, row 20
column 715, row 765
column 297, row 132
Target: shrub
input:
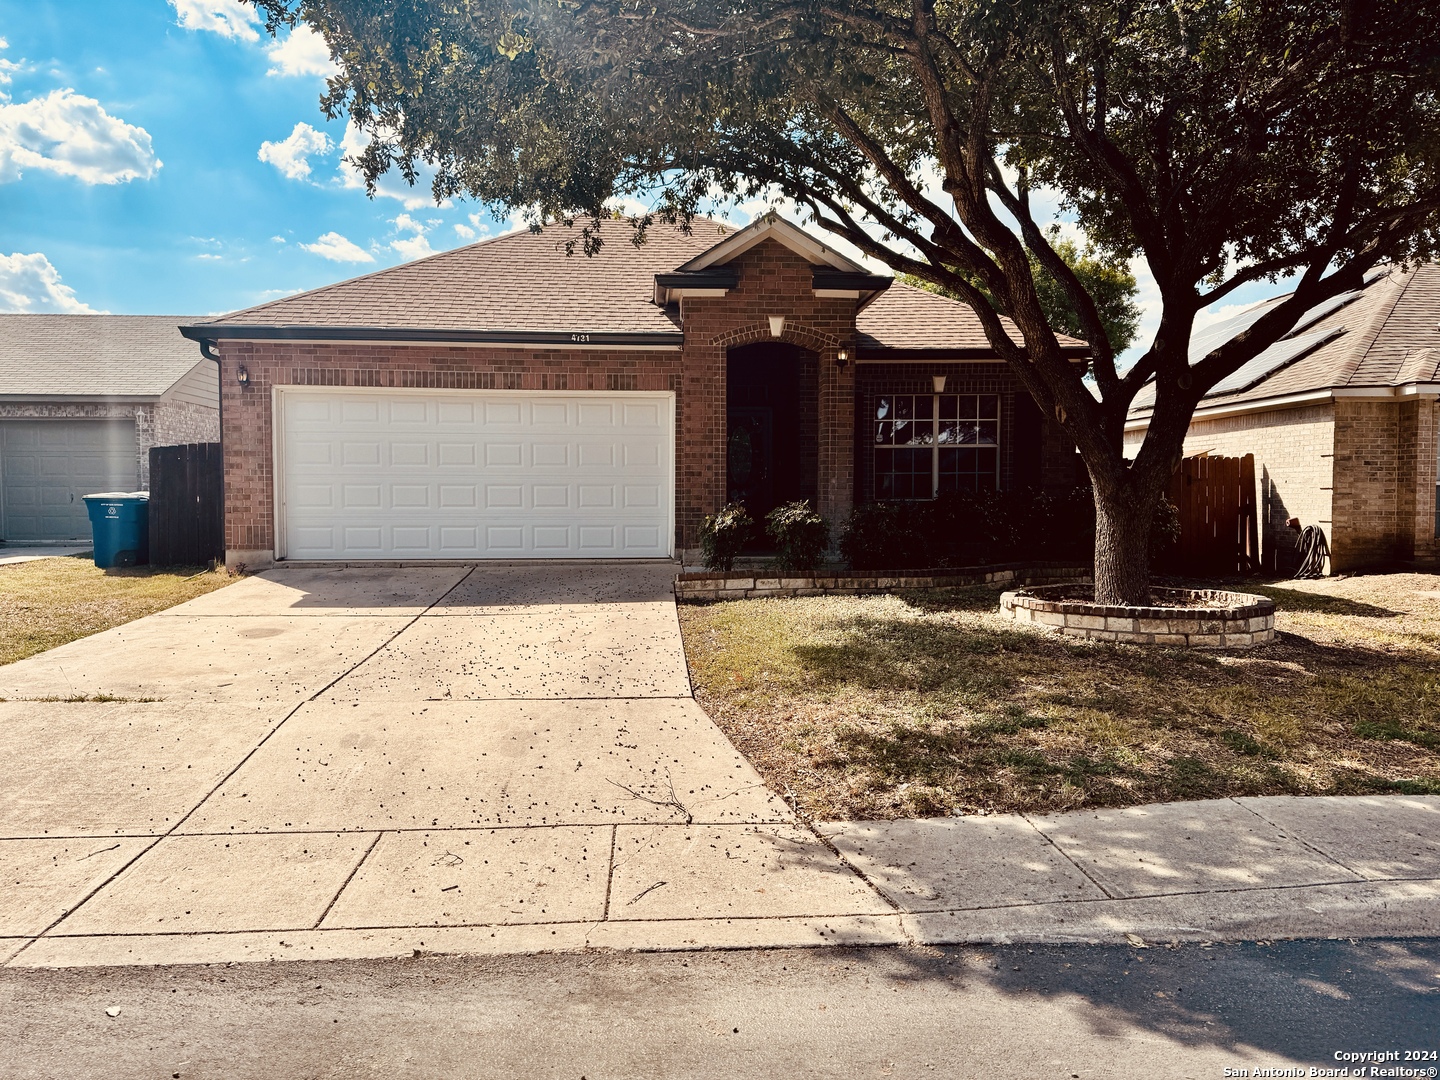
column 723, row 534
column 801, row 536
column 1164, row 530
column 972, row 529
column 882, row 535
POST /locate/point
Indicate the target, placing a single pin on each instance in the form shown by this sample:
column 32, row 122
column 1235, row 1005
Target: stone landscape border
column 760, row 583
column 1220, row 619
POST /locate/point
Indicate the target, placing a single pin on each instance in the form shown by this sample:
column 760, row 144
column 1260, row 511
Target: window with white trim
column 928, row 444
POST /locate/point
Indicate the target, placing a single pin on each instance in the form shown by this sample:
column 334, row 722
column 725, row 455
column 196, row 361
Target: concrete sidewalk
column 369, row 763
column 18, row 553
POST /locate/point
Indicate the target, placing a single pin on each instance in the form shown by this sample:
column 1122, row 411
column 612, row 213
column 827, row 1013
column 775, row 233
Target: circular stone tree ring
column 1194, row 618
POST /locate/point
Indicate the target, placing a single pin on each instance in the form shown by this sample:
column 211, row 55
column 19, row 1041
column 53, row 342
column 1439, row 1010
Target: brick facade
column 772, row 281
column 1363, row 469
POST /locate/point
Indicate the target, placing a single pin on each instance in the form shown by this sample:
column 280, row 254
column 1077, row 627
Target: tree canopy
column 1223, row 141
column 1106, row 278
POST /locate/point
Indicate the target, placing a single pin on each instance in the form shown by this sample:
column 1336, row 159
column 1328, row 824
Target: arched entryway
column 772, row 425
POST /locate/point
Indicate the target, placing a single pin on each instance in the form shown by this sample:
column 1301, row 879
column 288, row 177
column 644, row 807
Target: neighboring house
column 507, row 400
column 1341, row 418
column 82, row 400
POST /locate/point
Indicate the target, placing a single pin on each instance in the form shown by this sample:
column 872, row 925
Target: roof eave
column 215, row 332
column 896, row 354
column 81, row 399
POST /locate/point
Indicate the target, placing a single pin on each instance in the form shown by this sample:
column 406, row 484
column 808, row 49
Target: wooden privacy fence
column 186, row 508
column 1219, row 531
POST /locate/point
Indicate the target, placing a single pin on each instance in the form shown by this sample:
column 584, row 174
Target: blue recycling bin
column 120, row 527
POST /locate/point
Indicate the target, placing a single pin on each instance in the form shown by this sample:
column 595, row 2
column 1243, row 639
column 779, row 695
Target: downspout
column 207, row 347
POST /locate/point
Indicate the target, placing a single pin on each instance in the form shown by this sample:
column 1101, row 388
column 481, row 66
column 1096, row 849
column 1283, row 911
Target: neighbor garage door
column 455, row 474
column 48, row 466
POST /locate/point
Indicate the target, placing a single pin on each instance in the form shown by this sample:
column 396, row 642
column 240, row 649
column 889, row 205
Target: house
column 1341, row 417
column 510, row 400
column 82, row 400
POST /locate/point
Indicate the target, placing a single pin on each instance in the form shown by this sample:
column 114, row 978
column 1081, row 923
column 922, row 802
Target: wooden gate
column 1218, row 524
column 186, row 507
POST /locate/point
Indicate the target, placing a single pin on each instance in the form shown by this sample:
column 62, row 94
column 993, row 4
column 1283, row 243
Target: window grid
column 926, row 444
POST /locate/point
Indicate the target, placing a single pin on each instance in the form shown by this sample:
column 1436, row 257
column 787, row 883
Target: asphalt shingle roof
column 93, row 356
column 904, row 317
column 524, row 282
column 1385, row 335
column 521, row 281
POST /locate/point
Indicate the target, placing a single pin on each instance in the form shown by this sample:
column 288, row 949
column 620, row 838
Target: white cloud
column 478, row 228
column 69, row 134
column 8, row 68
column 303, row 52
column 291, row 155
column 28, row 283
column 416, row 245
column 390, row 186
column 336, row 248
column 228, row 18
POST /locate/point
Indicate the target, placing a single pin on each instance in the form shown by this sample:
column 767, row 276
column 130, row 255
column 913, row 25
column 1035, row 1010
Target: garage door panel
column 410, row 497
column 47, row 467
column 457, row 455
column 404, row 454
column 476, row 475
column 459, row 496
column 409, row 412
column 500, row 455
column 549, row 414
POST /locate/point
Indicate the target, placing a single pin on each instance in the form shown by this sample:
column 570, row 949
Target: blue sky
column 131, row 171
column 169, row 157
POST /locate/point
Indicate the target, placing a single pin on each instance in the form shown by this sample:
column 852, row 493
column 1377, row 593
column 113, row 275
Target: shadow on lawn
column 1300, row 600
column 1009, row 718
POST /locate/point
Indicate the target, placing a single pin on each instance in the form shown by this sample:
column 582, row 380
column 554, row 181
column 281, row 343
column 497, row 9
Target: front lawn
column 48, row 602
column 883, row 706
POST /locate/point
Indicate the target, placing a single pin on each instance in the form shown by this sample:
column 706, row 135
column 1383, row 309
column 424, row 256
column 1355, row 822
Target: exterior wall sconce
column 842, row 358
column 242, row 376
column 777, row 325
column 939, row 383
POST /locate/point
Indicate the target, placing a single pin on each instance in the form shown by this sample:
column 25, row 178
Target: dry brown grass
column 883, row 706
column 48, row 602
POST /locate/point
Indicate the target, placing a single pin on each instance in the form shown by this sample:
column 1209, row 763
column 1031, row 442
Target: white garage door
column 47, row 467
column 459, row 475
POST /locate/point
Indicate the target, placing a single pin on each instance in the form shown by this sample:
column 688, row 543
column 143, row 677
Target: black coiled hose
column 1313, row 550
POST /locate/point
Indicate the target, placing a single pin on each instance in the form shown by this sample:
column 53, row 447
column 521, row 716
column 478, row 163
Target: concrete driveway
column 368, row 762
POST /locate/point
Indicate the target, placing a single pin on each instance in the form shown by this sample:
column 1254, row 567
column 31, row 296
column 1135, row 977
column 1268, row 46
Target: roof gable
column 771, row 226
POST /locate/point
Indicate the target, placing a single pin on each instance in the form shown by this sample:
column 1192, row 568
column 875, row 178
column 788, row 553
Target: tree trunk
column 1122, row 546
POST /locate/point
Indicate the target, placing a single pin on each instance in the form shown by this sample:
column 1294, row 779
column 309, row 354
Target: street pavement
column 962, row 1012
column 327, row 764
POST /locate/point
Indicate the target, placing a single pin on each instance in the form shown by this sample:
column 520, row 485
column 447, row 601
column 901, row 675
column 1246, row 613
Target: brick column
column 837, row 436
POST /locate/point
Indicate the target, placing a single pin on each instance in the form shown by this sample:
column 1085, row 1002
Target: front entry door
column 751, row 459
column 765, row 460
